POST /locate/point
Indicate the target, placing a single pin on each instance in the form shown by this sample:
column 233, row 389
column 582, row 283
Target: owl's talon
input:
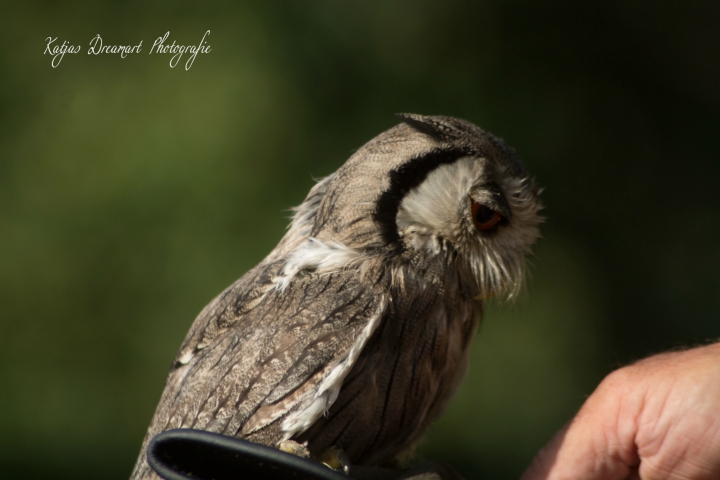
column 336, row 459
column 291, row 446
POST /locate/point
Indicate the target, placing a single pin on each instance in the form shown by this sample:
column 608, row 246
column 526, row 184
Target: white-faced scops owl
column 354, row 331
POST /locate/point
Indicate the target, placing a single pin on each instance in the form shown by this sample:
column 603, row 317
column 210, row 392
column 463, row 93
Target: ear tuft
column 427, row 125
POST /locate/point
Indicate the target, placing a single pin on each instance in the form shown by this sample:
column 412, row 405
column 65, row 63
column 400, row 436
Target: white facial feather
column 437, row 212
column 432, row 209
column 499, row 261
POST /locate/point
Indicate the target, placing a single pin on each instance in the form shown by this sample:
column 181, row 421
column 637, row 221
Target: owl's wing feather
column 258, row 355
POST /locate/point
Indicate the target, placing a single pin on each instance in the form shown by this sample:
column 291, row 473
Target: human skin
column 657, row 419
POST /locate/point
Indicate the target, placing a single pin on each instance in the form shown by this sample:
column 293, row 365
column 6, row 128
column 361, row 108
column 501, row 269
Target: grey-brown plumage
column 354, row 332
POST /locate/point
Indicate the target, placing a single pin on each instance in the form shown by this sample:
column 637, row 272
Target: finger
column 599, row 443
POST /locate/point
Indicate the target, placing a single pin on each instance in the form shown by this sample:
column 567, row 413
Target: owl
column 354, row 332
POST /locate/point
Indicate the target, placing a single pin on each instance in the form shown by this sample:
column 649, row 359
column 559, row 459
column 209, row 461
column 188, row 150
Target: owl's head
column 436, row 186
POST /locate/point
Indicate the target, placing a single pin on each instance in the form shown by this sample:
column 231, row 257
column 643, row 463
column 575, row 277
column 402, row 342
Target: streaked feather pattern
column 354, row 332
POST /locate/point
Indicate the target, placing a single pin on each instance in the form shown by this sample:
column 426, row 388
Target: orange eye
column 484, row 218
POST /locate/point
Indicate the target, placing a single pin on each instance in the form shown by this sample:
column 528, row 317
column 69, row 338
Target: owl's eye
column 484, row 218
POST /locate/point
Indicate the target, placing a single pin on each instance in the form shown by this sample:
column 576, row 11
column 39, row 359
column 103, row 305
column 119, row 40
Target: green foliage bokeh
column 132, row 193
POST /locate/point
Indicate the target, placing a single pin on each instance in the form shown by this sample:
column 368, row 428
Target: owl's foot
column 336, row 459
column 291, row 446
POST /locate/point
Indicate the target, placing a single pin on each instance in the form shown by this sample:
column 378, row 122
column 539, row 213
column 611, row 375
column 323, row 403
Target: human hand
column 657, row 419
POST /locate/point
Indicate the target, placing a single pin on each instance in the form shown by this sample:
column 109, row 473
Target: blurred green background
column 132, row 193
